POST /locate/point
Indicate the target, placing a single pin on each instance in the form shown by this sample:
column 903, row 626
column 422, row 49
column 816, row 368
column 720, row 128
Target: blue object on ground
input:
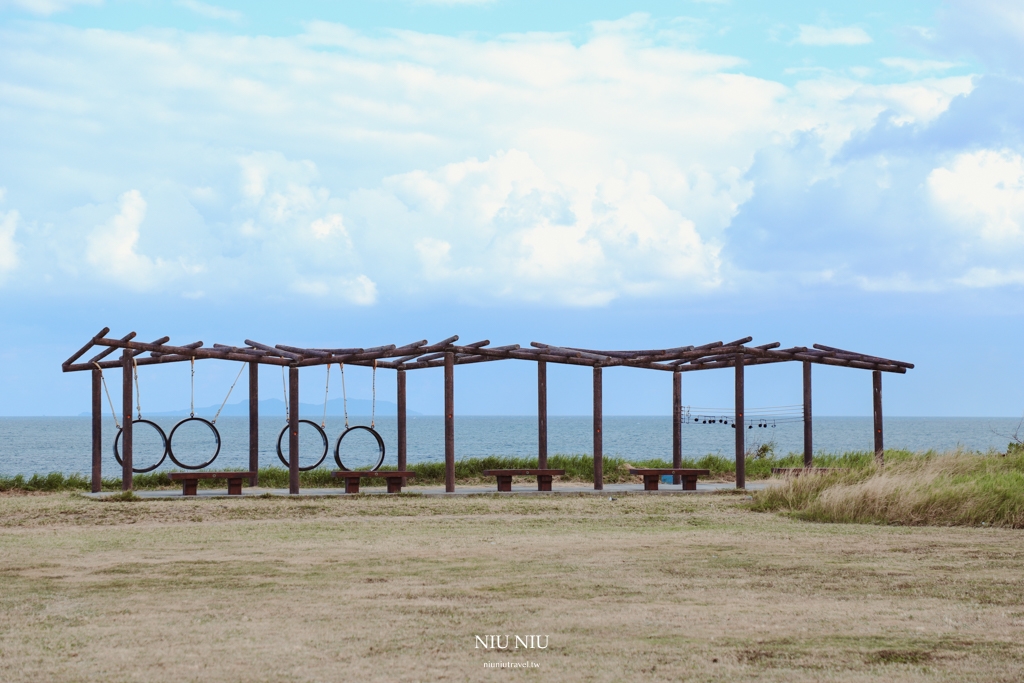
column 666, row 479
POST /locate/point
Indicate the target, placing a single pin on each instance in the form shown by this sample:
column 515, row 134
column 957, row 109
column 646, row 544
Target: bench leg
column 352, row 485
column 235, row 486
column 651, row 482
column 395, row 484
column 188, row 487
column 543, row 482
column 504, row 482
column 689, row 483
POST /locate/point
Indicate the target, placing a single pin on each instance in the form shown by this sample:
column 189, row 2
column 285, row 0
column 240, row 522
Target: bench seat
column 396, row 479
column 190, row 480
column 653, row 476
column 505, row 477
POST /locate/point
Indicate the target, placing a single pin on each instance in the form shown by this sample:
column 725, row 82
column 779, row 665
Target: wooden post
column 293, row 429
column 808, row 431
column 254, row 422
column 876, row 380
column 126, row 429
column 598, row 429
column 677, row 424
column 97, row 432
column 449, row 422
column 542, row 415
column 402, row 452
column 741, row 463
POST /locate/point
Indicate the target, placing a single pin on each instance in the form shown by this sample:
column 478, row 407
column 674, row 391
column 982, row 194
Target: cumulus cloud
column 983, row 191
column 354, row 168
column 47, row 7
column 210, row 11
column 8, row 247
column 821, row 36
column 112, row 247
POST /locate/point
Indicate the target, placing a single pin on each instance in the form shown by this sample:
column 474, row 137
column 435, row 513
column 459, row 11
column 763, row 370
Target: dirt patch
column 378, row 588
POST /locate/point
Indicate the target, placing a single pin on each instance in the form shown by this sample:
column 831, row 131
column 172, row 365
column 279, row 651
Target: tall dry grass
column 950, row 489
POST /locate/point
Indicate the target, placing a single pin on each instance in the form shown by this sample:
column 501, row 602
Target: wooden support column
column 449, row 422
column 254, row 423
column 542, row 415
column 677, row 423
column 293, row 429
column 876, row 380
column 741, row 463
column 402, row 452
column 97, row 432
column 808, row 431
column 126, row 429
column 598, row 431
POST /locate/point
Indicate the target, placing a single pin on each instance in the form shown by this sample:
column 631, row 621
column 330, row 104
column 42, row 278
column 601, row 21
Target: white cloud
column 991, row 277
column 360, row 290
column 47, row 7
column 821, row 37
column 8, row 247
column 210, row 11
column 917, row 66
column 112, row 247
column 522, row 167
column 983, row 192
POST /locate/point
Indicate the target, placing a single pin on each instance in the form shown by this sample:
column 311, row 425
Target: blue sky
column 601, row 174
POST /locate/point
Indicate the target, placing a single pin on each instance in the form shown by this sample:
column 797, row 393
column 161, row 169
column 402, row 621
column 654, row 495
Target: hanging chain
column 344, row 394
column 327, row 389
column 214, row 420
column 138, row 398
column 192, row 394
column 284, row 390
column 373, row 404
column 109, row 400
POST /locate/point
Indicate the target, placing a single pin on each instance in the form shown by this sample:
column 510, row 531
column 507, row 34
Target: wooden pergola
column 448, row 353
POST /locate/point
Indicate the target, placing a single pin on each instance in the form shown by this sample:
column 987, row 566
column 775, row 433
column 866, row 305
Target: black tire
column 323, row 435
column 170, row 444
column 380, row 445
column 163, row 456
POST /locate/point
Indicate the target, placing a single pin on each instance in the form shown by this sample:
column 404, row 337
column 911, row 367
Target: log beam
column 293, row 430
column 126, row 429
column 449, row 422
column 598, row 431
column 741, row 463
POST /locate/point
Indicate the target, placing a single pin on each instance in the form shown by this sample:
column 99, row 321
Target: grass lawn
column 396, row 588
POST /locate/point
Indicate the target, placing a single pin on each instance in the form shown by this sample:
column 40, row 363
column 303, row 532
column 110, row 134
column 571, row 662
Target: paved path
column 472, row 490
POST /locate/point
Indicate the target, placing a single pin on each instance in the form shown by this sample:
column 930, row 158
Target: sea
column 30, row 445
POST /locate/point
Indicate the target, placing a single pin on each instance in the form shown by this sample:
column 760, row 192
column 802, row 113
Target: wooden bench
column 797, row 471
column 505, row 477
column 653, row 476
column 396, row 479
column 190, row 480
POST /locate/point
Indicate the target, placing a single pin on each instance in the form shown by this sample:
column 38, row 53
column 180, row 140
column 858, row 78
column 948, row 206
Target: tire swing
column 370, row 429
column 211, row 424
column 318, row 427
column 138, row 421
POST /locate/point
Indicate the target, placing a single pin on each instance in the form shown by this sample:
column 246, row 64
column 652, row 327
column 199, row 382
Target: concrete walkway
column 472, row 490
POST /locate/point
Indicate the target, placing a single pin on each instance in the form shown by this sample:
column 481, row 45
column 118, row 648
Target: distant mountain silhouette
column 271, row 407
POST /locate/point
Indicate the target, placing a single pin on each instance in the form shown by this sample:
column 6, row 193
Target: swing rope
column 284, row 390
column 192, row 393
column 373, row 404
column 109, row 400
column 327, row 389
column 138, row 398
column 225, row 401
column 344, row 394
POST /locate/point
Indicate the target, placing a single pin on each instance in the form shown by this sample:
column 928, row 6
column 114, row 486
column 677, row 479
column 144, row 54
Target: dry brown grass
column 375, row 588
